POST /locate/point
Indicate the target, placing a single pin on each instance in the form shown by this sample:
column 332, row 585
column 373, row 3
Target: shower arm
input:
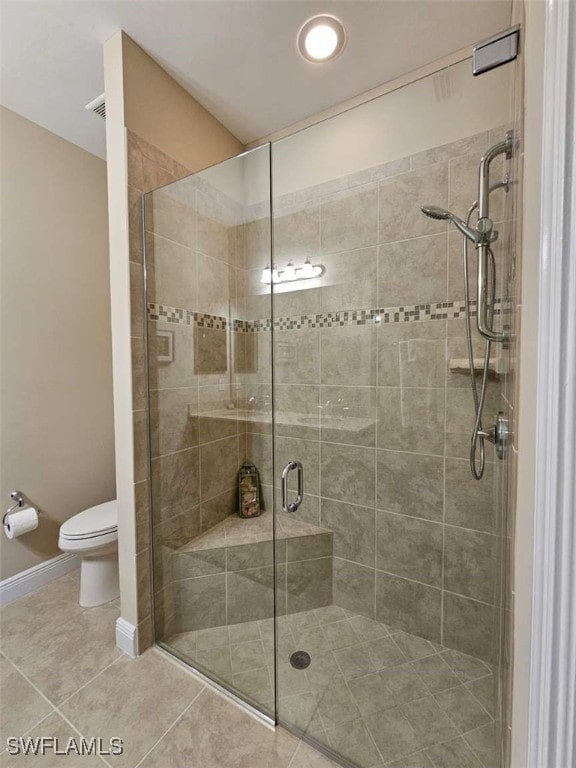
column 484, row 227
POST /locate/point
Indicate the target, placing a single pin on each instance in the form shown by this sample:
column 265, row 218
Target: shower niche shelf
column 461, row 365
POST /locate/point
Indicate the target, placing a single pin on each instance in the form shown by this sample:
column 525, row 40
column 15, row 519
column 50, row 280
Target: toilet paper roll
column 20, row 521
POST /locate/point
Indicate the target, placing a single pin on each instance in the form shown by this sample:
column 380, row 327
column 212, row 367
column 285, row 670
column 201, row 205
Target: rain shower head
column 441, row 214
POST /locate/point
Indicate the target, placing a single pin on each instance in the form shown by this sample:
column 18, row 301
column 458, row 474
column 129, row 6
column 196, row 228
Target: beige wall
column 165, row 115
column 56, row 407
column 142, row 101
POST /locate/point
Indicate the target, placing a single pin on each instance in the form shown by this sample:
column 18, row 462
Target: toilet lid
column 95, row 521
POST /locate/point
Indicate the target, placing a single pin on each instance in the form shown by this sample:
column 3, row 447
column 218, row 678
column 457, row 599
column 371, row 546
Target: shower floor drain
column 300, row 659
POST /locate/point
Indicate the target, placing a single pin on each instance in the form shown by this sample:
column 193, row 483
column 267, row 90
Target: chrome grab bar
column 293, row 506
column 486, row 234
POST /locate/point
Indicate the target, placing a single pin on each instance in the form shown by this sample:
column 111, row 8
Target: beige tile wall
column 386, row 430
column 148, row 168
column 386, row 440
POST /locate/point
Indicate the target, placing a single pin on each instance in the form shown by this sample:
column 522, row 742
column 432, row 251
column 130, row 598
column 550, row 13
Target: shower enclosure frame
column 276, row 717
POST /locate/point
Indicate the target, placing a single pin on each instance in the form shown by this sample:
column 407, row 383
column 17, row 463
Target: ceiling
column 237, row 58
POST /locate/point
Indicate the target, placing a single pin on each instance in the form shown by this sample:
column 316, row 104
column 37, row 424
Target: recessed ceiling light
column 321, row 38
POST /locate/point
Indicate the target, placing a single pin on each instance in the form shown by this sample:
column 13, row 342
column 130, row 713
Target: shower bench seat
column 226, row 575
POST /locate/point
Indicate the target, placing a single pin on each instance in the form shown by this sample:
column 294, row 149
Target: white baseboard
column 38, row 576
column 127, row 637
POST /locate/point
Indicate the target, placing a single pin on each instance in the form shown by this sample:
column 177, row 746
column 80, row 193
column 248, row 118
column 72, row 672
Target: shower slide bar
column 486, row 235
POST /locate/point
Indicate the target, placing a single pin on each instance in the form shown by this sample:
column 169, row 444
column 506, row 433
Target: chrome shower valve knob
column 485, row 228
column 501, row 434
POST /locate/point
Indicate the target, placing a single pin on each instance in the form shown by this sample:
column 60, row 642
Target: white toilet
column 93, row 534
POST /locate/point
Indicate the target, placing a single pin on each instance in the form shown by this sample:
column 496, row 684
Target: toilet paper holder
column 20, row 500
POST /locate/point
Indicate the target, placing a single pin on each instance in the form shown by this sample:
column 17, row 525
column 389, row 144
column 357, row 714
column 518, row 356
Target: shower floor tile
column 375, row 695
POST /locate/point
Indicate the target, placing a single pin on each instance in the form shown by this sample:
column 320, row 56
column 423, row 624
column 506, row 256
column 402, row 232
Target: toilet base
column 99, row 581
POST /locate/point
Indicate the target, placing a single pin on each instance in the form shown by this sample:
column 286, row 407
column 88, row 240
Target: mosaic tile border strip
column 179, row 316
column 447, row 310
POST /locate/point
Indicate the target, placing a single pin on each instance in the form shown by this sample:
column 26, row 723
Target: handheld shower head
column 433, row 212
column 440, row 214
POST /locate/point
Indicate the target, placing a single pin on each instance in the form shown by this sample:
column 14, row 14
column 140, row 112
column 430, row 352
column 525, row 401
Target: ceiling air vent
column 98, row 106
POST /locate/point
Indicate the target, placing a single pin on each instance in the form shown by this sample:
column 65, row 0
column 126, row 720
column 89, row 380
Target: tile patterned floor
column 401, row 702
column 377, row 696
column 62, row 676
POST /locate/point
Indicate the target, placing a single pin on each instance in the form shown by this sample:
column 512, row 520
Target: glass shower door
column 207, row 242
column 389, row 570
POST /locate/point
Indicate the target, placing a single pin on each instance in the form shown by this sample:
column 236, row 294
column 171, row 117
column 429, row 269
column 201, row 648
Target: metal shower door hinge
column 496, row 50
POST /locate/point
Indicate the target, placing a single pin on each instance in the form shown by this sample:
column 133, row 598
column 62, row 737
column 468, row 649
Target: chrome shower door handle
column 292, row 506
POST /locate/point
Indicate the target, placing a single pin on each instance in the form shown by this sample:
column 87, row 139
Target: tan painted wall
column 56, row 407
column 162, row 112
column 117, row 164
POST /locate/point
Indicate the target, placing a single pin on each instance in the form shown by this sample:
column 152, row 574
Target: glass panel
column 389, row 571
column 207, row 241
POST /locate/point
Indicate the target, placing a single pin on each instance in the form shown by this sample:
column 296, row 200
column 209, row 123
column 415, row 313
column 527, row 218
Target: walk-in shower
column 364, row 608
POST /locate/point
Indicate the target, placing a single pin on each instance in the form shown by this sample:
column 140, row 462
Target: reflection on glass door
column 207, row 242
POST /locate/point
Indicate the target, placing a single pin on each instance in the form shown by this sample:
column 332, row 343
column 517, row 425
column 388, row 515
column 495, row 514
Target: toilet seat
column 99, row 522
column 89, row 544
